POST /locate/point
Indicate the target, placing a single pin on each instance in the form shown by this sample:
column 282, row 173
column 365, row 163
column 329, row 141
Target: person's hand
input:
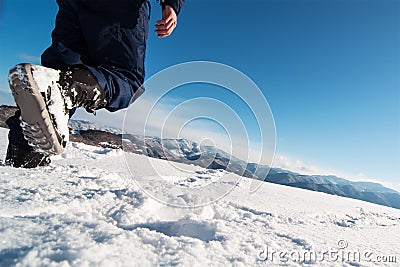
column 166, row 26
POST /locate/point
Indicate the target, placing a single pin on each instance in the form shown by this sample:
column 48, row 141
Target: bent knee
column 119, row 102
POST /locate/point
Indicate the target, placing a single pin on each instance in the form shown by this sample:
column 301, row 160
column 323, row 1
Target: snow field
column 87, row 210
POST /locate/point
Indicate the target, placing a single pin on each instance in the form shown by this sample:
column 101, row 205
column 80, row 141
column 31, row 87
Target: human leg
column 94, row 54
column 113, row 35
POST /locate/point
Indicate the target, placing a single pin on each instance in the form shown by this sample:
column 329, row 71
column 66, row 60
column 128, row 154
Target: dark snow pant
column 108, row 37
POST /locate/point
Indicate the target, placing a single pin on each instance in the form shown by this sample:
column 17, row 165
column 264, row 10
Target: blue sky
column 329, row 70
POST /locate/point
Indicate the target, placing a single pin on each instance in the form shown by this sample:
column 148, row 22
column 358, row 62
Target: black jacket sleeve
column 175, row 4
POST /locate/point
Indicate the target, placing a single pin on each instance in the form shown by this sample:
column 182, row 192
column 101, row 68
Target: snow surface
column 87, row 210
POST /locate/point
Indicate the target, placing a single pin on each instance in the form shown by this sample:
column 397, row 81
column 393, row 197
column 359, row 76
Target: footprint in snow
column 201, row 178
column 203, row 231
column 297, row 241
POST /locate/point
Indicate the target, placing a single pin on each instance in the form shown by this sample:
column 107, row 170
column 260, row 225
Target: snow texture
column 86, row 210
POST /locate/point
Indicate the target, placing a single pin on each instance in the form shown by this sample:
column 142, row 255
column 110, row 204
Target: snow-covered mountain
column 81, row 125
column 188, row 152
column 89, row 209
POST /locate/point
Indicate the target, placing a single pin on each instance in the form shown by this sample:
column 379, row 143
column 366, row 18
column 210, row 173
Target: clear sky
column 329, row 70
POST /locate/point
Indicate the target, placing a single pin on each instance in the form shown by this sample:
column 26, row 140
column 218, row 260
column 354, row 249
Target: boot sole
column 36, row 122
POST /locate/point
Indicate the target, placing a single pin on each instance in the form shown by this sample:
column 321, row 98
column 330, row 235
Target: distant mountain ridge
column 189, row 152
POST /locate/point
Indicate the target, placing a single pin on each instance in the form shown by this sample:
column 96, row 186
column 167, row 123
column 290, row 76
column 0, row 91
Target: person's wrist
column 172, row 8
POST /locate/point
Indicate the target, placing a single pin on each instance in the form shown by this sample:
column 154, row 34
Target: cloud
column 29, row 58
column 287, row 163
column 298, row 166
column 6, row 97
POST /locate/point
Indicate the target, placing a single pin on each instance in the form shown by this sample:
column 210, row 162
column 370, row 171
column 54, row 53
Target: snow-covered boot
column 80, row 89
column 45, row 97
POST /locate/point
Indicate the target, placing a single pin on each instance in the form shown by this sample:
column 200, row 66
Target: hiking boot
column 45, row 96
column 80, row 89
column 19, row 153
